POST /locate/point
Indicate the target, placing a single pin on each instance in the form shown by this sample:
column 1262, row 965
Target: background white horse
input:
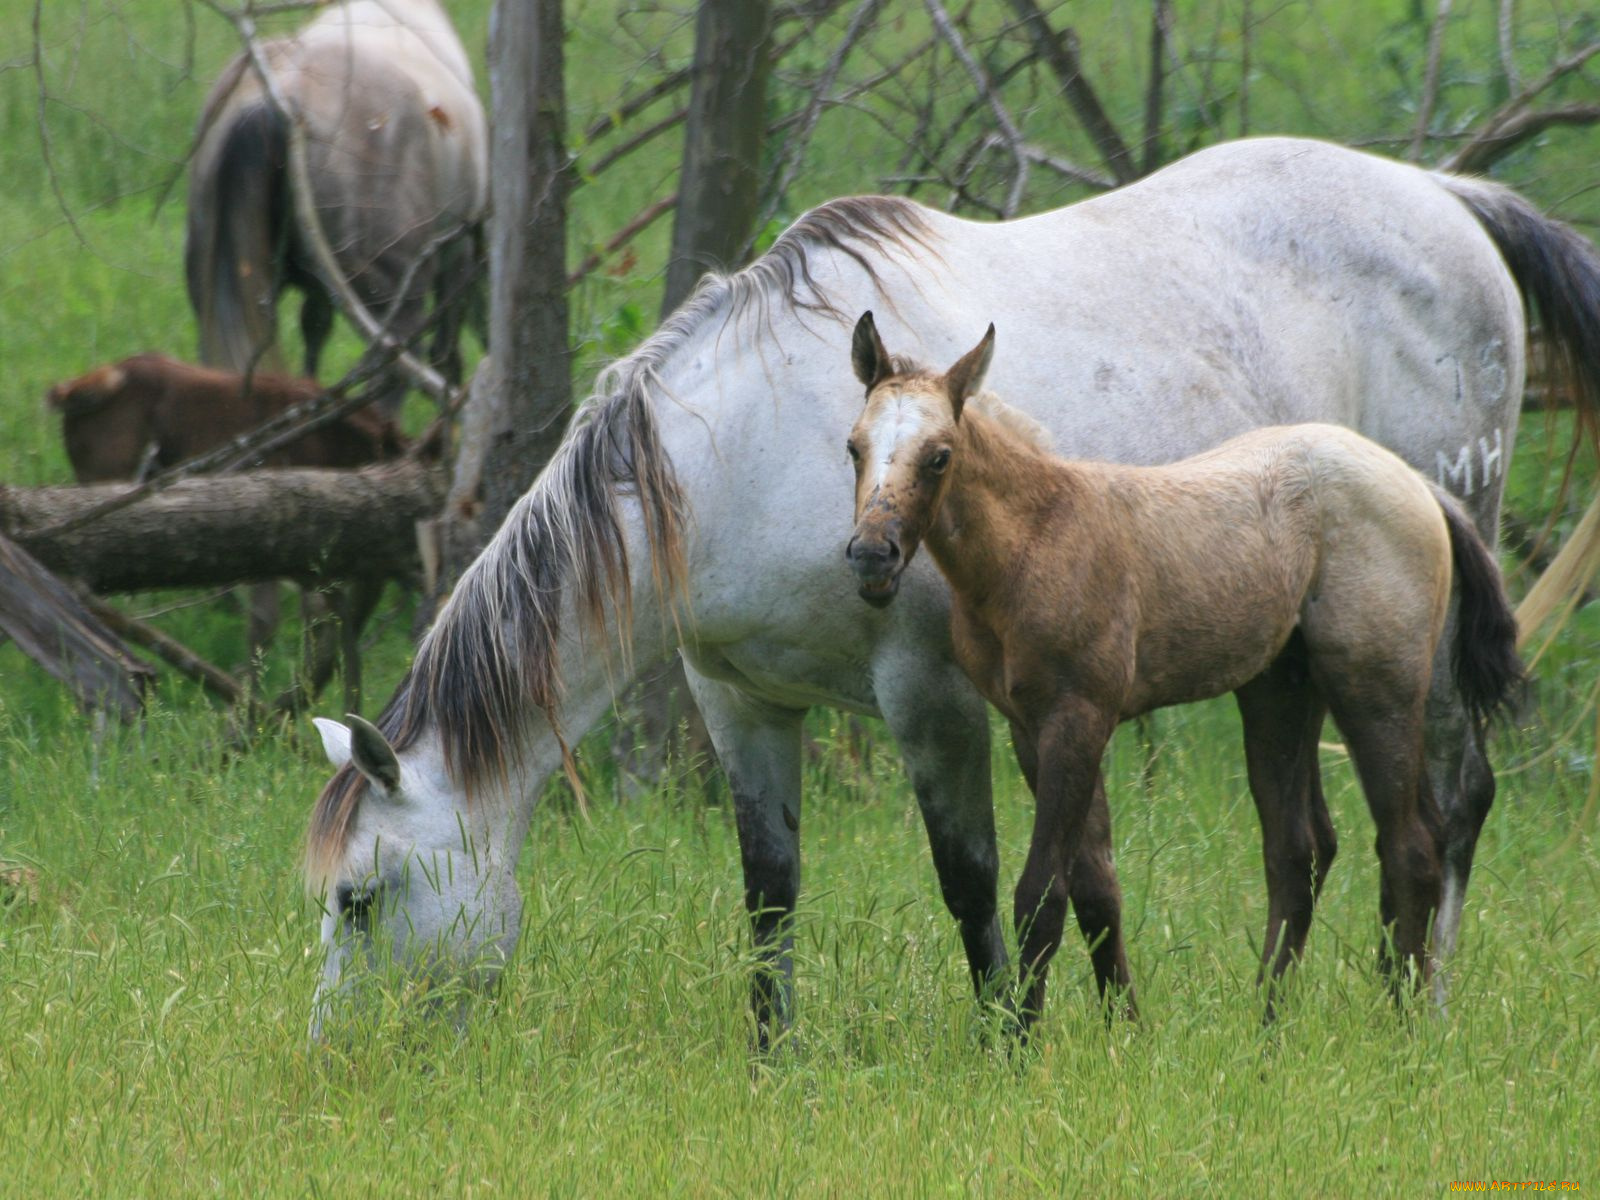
column 1260, row 282
column 397, row 155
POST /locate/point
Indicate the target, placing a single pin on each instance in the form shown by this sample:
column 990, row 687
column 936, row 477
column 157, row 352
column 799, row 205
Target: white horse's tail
column 233, row 243
column 1557, row 270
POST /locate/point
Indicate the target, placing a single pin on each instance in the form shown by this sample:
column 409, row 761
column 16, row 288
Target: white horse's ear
column 371, row 754
column 867, row 355
column 964, row 380
column 335, row 740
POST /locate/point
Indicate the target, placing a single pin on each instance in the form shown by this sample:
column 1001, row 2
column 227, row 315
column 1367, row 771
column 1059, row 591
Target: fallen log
column 51, row 627
column 169, row 649
column 309, row 525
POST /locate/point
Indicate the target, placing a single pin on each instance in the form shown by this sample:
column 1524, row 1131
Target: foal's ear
column 963, row 380
column 371, row 754
column 867, row 354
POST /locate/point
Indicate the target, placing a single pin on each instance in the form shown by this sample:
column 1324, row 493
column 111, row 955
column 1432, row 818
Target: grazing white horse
column 1261, row 282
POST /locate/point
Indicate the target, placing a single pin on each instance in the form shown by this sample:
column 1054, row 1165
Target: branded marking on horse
column 1457, row 474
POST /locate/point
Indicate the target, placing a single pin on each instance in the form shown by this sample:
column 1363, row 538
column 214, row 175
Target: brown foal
column 1303, row 568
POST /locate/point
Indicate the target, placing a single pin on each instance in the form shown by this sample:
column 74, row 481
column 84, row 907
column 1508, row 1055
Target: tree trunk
column 719, row 186
column 718, row 200
column 518, row 411
column 261, row 525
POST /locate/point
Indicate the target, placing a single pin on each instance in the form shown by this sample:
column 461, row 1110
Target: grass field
column 157, row 952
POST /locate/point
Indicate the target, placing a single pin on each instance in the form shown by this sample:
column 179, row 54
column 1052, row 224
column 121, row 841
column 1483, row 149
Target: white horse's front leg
column 759, row 747
column 942, row 726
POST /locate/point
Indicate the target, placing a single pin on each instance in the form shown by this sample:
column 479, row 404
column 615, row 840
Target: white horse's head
column 415, row 884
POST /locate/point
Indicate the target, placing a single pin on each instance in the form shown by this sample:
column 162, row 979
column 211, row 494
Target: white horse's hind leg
column 942, row 726
column 759, row 747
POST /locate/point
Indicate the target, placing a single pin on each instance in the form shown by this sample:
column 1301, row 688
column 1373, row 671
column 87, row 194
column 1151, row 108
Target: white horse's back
column 1217, row 296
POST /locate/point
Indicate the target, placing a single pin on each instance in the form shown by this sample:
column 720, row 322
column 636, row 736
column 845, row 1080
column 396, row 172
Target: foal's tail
column 1485, row 660
column 237, row 206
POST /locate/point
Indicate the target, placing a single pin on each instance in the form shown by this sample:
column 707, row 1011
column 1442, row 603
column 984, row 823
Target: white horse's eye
column 355, row 904
column 855, row 453
column 939, row 461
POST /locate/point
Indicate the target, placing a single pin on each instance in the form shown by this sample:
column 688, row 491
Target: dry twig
column 1430, row 82
column 1009, row 134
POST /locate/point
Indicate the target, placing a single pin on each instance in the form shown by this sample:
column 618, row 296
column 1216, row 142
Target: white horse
column 698, row 497
column 397, row 156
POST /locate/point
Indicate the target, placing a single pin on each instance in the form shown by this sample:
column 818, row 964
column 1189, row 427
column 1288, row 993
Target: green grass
column 155, row 996
column 157, row 953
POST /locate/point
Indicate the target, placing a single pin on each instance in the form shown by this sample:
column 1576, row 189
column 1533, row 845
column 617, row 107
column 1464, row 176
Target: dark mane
column 492, row 652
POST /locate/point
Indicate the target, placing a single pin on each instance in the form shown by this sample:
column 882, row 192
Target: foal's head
column 901, row 447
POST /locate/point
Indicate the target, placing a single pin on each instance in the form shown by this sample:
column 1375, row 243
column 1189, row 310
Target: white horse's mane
column 491, row 655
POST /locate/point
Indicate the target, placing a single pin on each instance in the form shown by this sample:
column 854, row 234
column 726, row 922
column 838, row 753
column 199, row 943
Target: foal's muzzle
column 877, row 563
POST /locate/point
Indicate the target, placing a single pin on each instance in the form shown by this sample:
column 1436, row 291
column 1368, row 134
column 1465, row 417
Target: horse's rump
column 396, row 155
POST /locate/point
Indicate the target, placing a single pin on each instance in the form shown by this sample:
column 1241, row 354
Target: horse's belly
column 1182, row 666
column 783, row 672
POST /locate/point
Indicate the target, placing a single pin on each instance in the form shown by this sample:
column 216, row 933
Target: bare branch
column 641, row 221
column 1430, row 83
column 614, row 117
column 1060, row 52
column 1513, row 122
column 1508, row 61
column 167, row 648
column 649, row 133
column 44, row 124
column 794, row 146
column 1245, row 32
column 1009, row 134
column 1495, row 142
column 282, row 7
column 1069, row 170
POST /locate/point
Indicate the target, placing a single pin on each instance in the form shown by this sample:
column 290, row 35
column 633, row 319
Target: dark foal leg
column 1093, row 889
column 391, row 386
column 758, row 745
column 262, row 615
column 1282, row 716
column 316, row 323
column 1068, row 751
column 1097, row 905
column 355, row 604
column 453, row 287
column 1385, row 744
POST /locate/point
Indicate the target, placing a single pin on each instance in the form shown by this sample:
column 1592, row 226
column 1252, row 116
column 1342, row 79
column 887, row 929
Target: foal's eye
column 939, row 461
column 855, row 454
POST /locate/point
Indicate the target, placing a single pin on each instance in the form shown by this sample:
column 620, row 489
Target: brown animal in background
column 1303, row 568
column 151, row 412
